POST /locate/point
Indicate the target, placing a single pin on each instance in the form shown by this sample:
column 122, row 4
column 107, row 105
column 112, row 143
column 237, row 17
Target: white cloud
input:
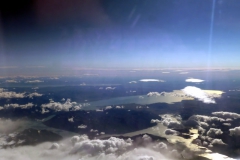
column 155, row 121
column 11, row 81
column 133, row 82
column 35, row 94
column 153, row 94
column 204, row 124
column 213, row 132
column 82, row 126
column 217, row 141
column 34, row 81
column 70, row 119
column 151, row 80
column 108, row 107
column 194, row 80
column 207, row 119
column 92, row 147
column 235, row 131
column 198, row 93
column 110, row 88
column 68, row 105
column 15, row 105
column 10, row 94
column 226, row 114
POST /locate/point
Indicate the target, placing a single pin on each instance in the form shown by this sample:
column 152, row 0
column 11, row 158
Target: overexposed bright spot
column 194, row 80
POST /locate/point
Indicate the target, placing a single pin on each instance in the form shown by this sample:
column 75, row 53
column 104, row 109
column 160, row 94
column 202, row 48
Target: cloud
column 203, row 118
column 155, row 121
column 214, row 132
column 35, row 94
column 170, row 123
column 151, row 80
column 194, row 80
column 93, row 147
column 9, row 126
column 34, row 81
column 226, row 115
column 198, row 93
column 14, row 105
column 217, row 141
column 11, row 81
column 133, row 82
column 70, row 119
column 82, row 126
column 108, row 107
column 110, row 88
column 235, row 131
column 82, row 148
column 153, row 94
column 10, row 94
column 171, row 132
column 57, row 106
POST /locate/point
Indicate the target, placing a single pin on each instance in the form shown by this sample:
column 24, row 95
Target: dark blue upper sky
column 120, row 34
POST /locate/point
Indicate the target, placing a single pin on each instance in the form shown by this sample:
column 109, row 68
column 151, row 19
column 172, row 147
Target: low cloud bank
column 82, row 148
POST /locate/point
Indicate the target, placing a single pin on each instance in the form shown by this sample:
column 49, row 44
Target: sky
column 119, row 34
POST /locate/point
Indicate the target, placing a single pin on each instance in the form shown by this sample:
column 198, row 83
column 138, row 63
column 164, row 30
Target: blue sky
column 122, row 34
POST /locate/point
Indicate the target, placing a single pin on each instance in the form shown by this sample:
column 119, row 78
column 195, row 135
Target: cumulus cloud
column 155, row 121
column 153, row 94
column 204, row 124
column 217, row 141
column 9, row 94
column 82, row 148
column 212, row 132
column 57, row 106
column 70, row 119
column 235, row 131
column 198, row 93
column 171, row 132
column 226, row 115
column 194, row 80
column 82, row 126
column 207, row 119
column 168, row 122
column 93, row 147
column 34, row 81
column 108, row 107
column 151, row 80
column 35, row 94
